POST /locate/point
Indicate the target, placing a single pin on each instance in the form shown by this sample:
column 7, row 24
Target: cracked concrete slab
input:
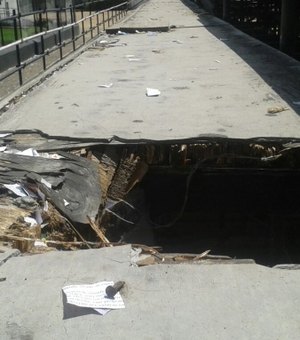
column 218, row 301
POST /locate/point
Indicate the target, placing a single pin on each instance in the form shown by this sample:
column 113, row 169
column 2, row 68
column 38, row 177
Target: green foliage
column 8, row 34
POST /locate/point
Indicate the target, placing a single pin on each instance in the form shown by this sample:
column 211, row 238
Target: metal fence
column 262, row 19
column 22, row 21
column 28, row 57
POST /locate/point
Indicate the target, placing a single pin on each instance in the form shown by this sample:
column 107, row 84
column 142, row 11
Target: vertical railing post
column 66, row 16
column 73, row 38
column 225, row 14
column 20, row 22
column 98, row 24
column 103, row 20
column 60, row 45
column 40, row 21
column 43, row 52
column 71, row 14
column 91, row 22
column 47, row 20
column 74, row 12
column 15, row 25
column 57, row 17
column 2, row 35
column 288, row 25
column 82, row 27
column 19, row 65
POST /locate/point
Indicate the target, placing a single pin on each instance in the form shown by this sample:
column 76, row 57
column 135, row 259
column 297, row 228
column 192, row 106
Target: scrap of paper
column 93, row 296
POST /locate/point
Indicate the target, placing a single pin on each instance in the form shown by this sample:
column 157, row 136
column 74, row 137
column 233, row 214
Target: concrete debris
column 277, row 109
column 95, row 193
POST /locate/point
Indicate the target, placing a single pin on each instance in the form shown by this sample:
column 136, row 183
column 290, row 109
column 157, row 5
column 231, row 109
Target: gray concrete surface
column 7, row 253
column 214, row 80
column 162, row 301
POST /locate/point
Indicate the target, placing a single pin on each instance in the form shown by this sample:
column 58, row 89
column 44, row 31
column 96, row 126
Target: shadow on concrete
column 72, row 311
column 278, row 70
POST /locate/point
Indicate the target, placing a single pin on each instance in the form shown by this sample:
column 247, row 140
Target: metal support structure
column 226, row 5
column 288, row 25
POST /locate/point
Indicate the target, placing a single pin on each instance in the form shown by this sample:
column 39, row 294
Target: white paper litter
column 152, row 92
column 30, row 221
column 66, row 203
column 93, row 296
column 102, row 311
column 106, row 86
column 29, row 152
column 130, row 56
column 16, row 189
column 38, row 243
column 134, row 59
column 2, row 148
column 296, row 103
column 122, row 33
column 48, row 185
column 3, row 135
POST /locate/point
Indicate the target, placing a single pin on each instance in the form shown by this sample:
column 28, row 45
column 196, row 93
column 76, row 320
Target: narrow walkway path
column 214, row 81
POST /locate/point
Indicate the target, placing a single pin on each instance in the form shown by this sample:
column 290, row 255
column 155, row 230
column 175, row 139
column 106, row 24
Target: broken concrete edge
column 135, row 30
column 292, row 266
column 116, row 140
column 8, row 253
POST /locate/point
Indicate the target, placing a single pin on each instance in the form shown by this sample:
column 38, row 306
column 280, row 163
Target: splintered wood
column 123, row 174
column 10, row 213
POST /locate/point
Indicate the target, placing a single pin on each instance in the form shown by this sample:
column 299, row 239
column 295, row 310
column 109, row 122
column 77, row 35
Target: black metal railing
column 35, row 54
column 19, row 23
column 264, row 20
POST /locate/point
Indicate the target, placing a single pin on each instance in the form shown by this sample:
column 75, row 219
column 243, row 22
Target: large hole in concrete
column 237, row 198
column 237, row 207
column 240, row 214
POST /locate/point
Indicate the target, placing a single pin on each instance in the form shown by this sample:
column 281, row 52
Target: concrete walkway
column 162, row 301
column 214, row 80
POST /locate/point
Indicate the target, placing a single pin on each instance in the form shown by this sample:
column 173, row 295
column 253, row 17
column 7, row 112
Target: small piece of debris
column 178, row 41
column 152, row 92
column 277, row 109
column 106, row 86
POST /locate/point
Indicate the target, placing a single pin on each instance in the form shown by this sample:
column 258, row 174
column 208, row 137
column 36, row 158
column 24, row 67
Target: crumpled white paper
column 93, row 296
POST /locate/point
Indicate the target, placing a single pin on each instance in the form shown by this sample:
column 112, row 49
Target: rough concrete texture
column 214, row 80
column 162, row 301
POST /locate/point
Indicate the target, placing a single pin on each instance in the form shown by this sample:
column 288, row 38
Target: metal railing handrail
column 82, row 31
column 56, row 29
column 45, row 10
